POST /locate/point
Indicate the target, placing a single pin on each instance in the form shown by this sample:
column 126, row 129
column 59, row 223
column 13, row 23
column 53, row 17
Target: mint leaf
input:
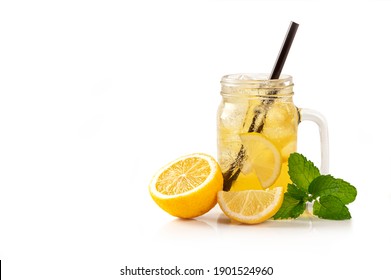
column 327, row 185
column 290, row 208
column 301, row 170
column 330, row 194
column 296, row 192
column 332, row 208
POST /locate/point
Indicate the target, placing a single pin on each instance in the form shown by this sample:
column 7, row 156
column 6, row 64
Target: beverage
column 257, row 131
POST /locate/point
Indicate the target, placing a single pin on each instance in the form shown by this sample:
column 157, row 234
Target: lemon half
column 187, row 187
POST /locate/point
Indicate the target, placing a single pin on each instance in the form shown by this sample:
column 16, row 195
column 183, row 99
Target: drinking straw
column 286, row 46
column 275, row 74
column 234, row 170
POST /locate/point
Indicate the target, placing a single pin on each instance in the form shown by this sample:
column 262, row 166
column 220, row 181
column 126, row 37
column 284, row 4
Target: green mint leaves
column 330, row 195
column 302, row 171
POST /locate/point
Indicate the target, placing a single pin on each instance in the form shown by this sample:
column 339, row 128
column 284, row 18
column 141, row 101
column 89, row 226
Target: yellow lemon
column 251, row 206
column 187, row 187
column 263, row 156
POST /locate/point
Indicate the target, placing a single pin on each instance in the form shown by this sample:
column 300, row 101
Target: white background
column 95, row 96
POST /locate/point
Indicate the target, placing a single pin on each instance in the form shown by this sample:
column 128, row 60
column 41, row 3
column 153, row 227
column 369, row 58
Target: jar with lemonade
column 257, row 126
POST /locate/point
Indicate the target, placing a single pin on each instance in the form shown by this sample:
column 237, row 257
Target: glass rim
column 260, row 80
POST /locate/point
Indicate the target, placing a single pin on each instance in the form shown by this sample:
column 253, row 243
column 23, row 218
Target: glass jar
column 257, row 126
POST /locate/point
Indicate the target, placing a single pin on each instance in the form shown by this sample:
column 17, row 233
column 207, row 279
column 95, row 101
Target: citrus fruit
column 263, row 156
column 251, row 206
column 187, row 187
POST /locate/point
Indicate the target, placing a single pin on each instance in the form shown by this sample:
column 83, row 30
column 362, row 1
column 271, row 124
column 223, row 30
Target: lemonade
column 257, row 131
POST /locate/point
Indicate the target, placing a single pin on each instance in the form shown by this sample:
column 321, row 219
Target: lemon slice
column 264, row 157
column 251, row 206
column 187, row 187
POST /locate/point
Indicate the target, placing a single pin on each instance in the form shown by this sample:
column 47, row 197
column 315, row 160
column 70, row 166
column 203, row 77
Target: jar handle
column 320, row 120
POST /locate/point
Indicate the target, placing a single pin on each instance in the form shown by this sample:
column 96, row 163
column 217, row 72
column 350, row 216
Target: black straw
column 286, row 45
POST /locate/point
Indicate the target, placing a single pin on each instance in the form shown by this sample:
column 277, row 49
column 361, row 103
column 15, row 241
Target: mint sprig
column 329, row 195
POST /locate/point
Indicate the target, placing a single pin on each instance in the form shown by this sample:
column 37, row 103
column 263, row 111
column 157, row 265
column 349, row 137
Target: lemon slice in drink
column 187, row 187
column 251, row 206
column 264, row 157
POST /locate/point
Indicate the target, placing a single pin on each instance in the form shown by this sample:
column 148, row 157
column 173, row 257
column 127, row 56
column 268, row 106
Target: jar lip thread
column 256, row 79
column 255, row 84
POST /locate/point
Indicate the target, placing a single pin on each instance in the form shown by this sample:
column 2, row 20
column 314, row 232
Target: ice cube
column 233, row 115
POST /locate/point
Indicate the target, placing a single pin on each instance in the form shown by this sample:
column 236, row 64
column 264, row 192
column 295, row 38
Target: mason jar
column 257, row 125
